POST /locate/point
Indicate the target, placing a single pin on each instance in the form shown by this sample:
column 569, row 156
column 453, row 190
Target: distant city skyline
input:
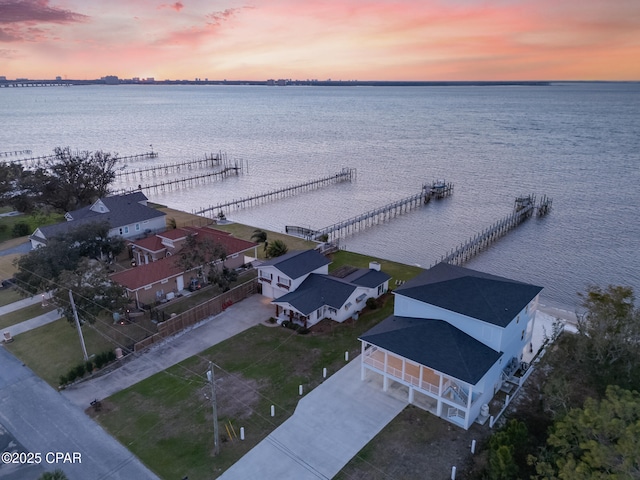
column 386, row 40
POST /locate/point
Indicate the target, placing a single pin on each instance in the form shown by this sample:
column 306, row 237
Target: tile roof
column 435, row 344
column 298, row 262
column 479, row 295
column 148, row 274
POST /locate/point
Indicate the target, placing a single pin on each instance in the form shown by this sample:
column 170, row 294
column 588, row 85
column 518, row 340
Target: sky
column 419, row 40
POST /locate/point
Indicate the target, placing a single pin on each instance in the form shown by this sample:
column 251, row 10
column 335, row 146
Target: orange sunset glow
column 421, row 40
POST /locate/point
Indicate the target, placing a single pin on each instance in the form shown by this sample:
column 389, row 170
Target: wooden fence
column 198, row 313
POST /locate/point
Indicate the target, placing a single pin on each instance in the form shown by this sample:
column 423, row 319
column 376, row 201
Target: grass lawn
column 34, row 221
column 398, row 271
column 9, row 295
column 166, row 420
column 23, row 314
column 51, row 350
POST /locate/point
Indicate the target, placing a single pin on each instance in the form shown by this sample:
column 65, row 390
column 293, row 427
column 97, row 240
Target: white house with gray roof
column 456, row 338
column 304, row 292
column 127, row 215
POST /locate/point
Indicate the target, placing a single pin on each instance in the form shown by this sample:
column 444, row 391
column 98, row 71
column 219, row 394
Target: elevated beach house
column 304, row 292
column 127, row 216
column 455, row 339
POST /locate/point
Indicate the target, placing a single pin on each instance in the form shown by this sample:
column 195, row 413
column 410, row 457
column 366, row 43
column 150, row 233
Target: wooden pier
column 192, row 181
column 435, row 190
column 35, row 162
column 347, row 174
column 139, row 156
column 524, row 208
column 15, row 152
column 209, row 160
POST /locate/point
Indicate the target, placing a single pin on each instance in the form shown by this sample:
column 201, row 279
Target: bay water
column 578, row 143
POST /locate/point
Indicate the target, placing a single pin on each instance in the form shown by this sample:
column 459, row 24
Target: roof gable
column 479, row 295
column 315, row 291
column 435, row 344
column 295, row 264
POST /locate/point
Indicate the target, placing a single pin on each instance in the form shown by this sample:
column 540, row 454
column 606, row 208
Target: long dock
column 15, row 152
column 525, row 207
column 40, row 161
column 437, row 190
column 192, row 181
column 347, row 174
column 209, row 160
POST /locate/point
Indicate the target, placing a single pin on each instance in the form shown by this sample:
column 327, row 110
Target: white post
column 273, row 411
column 324, row 372
column 453, row 473
column 346, row 356
column 241, row 433
column 491, row 420
column 300, row 389
column 473, row 446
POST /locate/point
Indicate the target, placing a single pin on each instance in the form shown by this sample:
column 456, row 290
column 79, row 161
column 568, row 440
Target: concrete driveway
column 235, row 319
column 44, row 422
column 329, row 426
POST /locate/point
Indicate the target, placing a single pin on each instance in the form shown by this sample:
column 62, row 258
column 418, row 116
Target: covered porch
column 424, row 387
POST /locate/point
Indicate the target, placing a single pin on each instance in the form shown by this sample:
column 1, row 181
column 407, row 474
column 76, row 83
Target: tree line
column 67, row 181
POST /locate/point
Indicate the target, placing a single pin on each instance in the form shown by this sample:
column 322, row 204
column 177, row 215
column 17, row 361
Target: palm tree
column 260, row 236
column 276, row 248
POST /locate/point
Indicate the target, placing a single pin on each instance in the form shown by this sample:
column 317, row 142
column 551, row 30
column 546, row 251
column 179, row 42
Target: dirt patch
column 416, row 444
column 238, row 397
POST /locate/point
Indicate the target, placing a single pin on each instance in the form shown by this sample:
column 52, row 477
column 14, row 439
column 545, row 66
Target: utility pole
column 75, row 315
column 214, row 406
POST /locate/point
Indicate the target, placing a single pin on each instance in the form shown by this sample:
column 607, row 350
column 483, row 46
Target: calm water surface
column 577, row 143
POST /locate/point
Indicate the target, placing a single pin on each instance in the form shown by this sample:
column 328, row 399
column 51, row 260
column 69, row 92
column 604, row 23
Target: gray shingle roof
column 298, row 262
column 123, row 210
column 317, row 290
column 479, row 295
column 367, row 277
column 435, row 344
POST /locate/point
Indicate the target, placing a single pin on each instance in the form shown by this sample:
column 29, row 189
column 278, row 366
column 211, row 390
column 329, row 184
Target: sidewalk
column 32, row 323
column 25, row 302
column 237, row 318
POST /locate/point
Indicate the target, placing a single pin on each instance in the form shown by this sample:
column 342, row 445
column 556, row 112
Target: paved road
column 43, row 421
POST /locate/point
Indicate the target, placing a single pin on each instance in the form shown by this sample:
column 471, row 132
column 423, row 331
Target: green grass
column 9, row 295
column 26, row 313
column 34, row 221
column 167, row 421
column 398, row 271
column 245, row 231
column 51, row 350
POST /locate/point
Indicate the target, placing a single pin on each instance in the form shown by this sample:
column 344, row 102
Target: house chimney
column 374, row 266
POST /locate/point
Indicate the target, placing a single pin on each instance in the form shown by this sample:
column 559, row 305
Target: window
column 137, row 227
column 361, row 297
column 126, row 229
column 522, row 336
column 347, row 306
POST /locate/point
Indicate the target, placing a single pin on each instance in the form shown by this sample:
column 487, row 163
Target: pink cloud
column 174, row 6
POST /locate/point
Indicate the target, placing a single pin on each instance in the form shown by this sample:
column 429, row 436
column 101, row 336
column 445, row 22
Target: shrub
column 88, row 366
column 80, row 369
column 111, row 356
column 63, row 380
column 372, row 303
column 20, row 229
